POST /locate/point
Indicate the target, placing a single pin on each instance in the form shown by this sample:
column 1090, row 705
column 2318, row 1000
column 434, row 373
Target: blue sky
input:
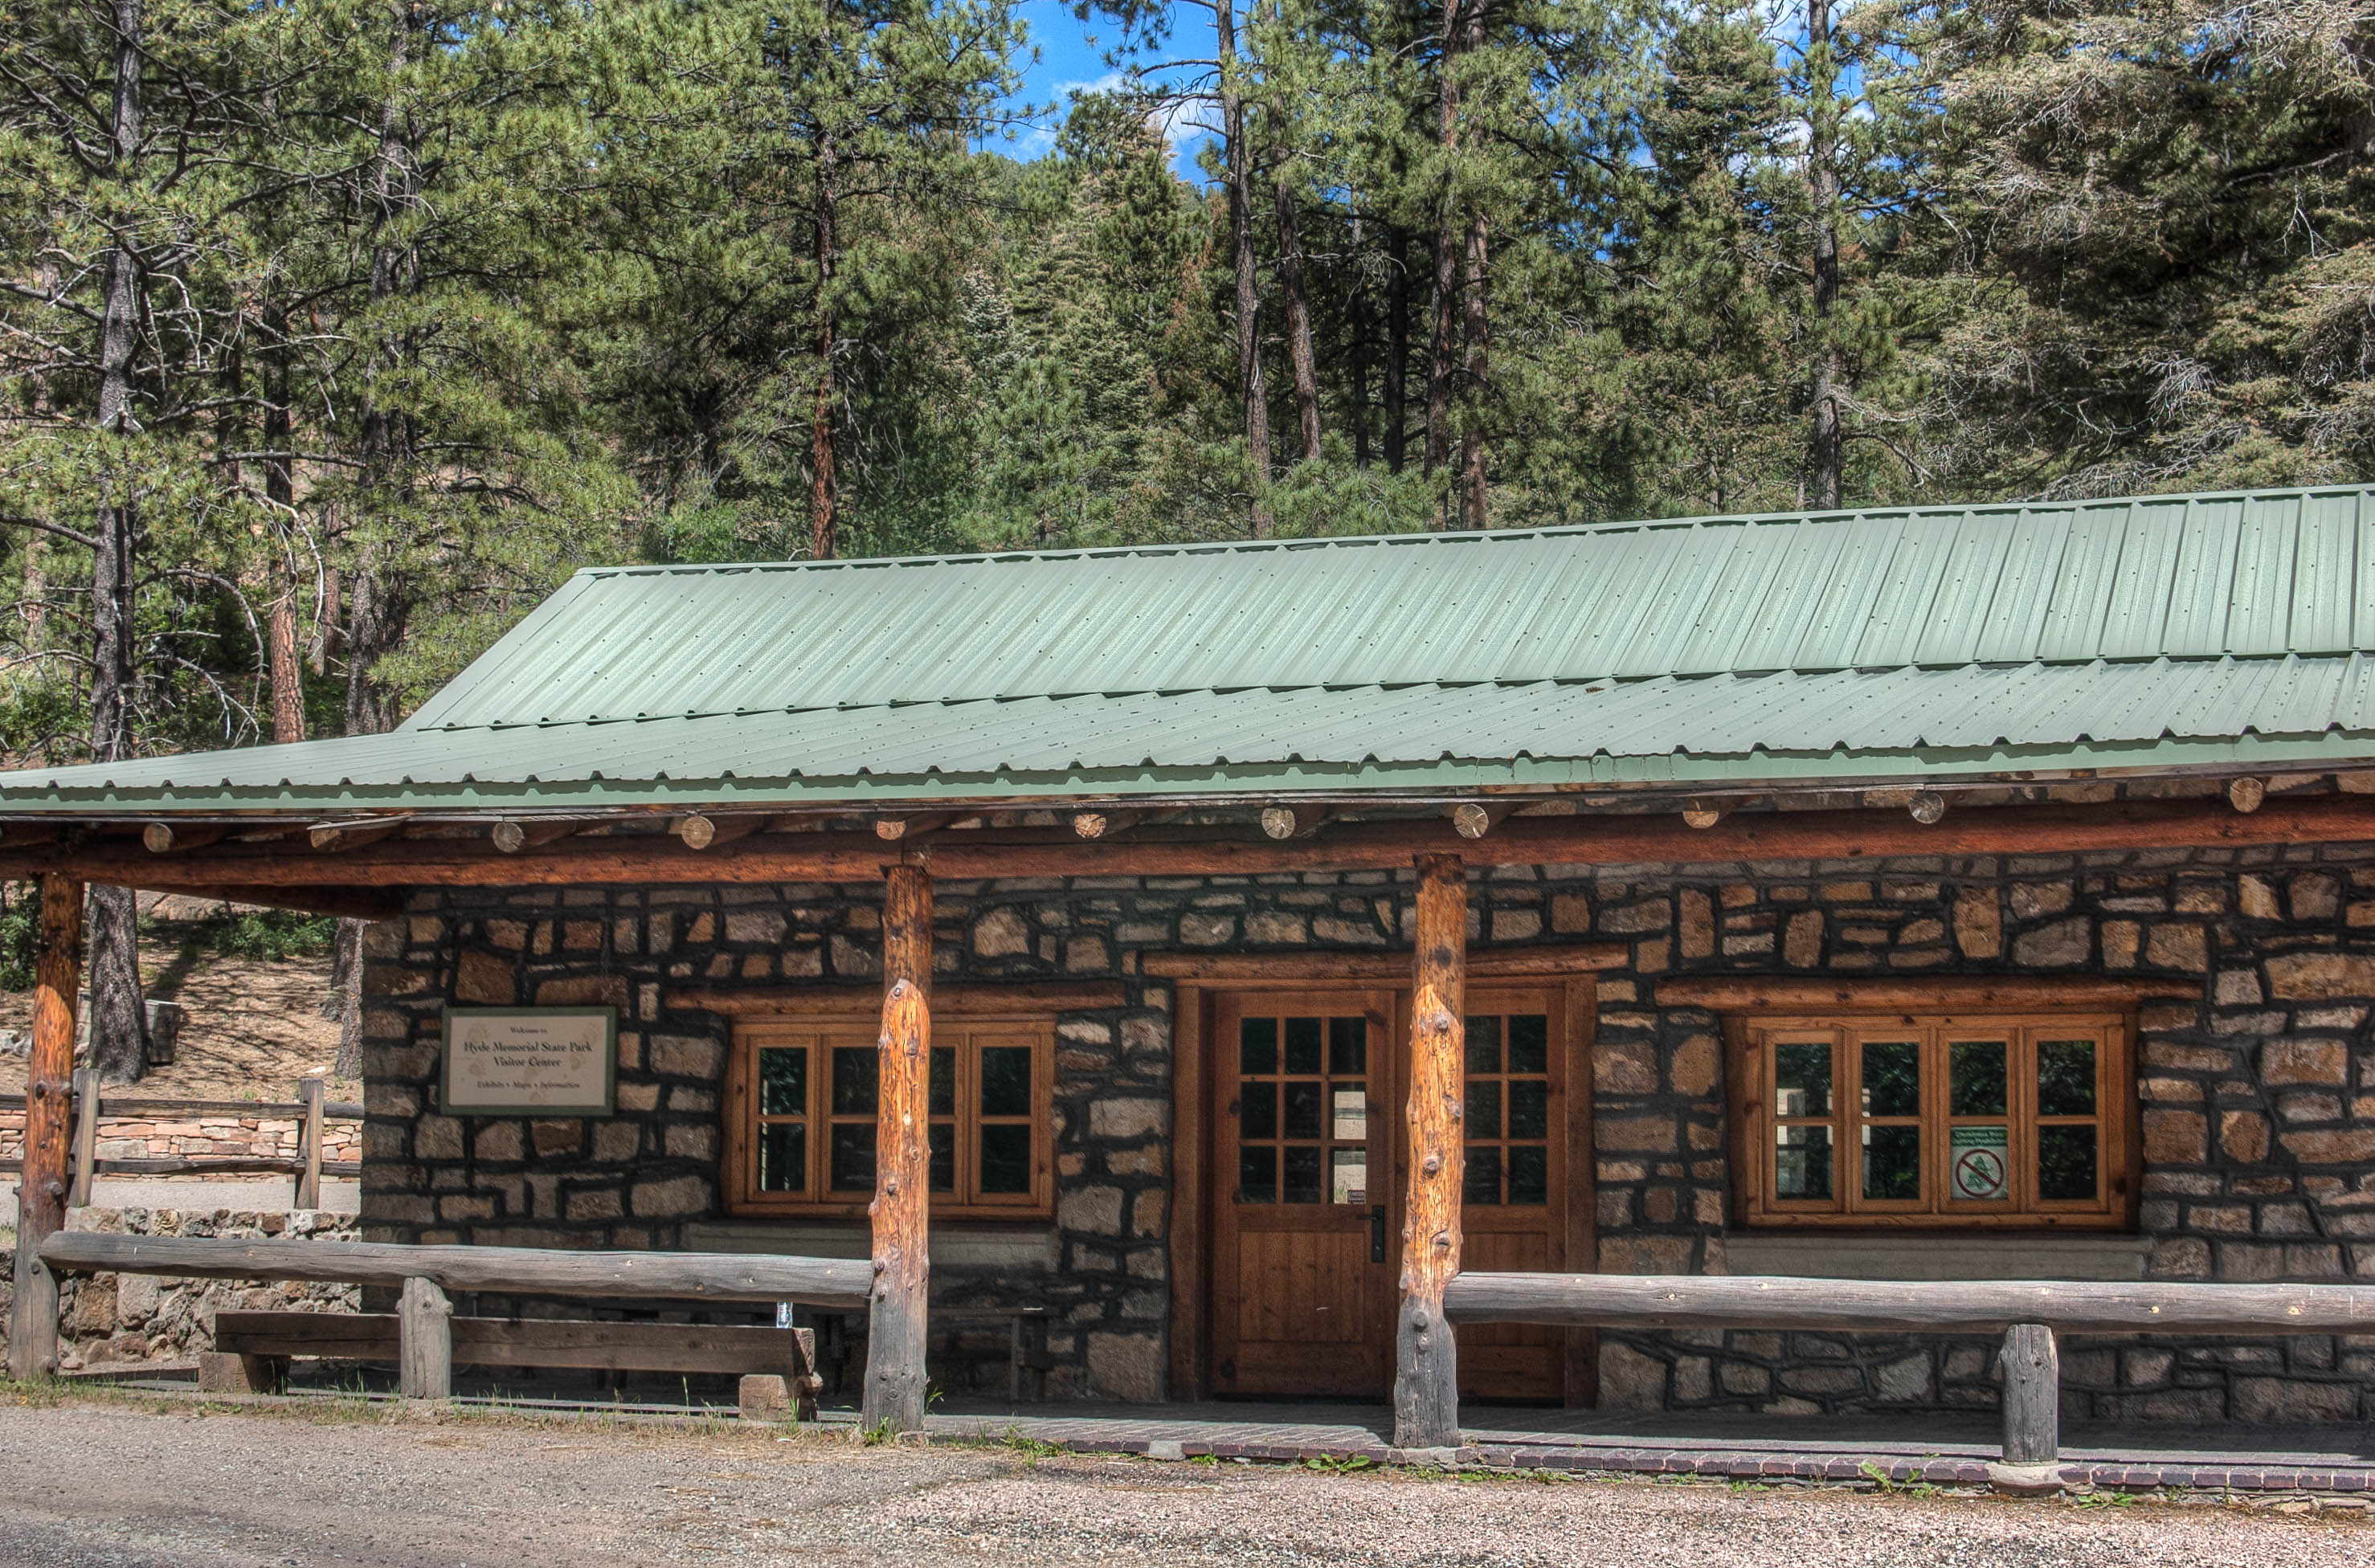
column 1072, row 56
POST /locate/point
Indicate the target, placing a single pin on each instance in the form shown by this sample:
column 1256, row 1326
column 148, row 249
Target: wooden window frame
column 822, row 1030
column 1750, row 1038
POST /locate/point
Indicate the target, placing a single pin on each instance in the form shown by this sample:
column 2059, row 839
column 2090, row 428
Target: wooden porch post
column 895, row 1319
column 49, row 1079
column 1426, row 1370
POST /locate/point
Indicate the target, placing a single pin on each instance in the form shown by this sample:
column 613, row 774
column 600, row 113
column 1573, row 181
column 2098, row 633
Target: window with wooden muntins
column 1932, row 1122
column 802, row 1103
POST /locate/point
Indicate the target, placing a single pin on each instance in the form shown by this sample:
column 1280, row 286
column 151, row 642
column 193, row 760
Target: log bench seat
column 777, row 1366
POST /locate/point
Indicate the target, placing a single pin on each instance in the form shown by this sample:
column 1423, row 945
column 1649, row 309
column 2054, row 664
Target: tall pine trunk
column 824, row 477
column 1442, row 339
column 1238, row 163
column 1823, row 457
column 1358, row 331
column 118, row 1033
column 1397, row 325
column 1300, row 358
column 288, row 667
column 1479, row 335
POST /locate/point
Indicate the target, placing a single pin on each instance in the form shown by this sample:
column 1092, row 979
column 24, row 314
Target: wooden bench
column 777, row 1366
column 1027, row 1358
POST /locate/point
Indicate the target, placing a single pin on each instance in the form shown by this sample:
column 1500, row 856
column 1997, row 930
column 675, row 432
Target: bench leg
column 222, row 1372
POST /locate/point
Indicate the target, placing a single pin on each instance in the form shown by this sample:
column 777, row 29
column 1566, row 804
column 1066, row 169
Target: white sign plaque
column 503, row 1061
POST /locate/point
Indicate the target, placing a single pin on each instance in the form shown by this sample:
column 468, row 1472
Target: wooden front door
column 1305, row 1233
column 1308, row 1180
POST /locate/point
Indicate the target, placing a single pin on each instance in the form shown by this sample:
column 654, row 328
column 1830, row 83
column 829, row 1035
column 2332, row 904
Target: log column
column 895, row 1317
column 48, row 1090
column 1426, row 1369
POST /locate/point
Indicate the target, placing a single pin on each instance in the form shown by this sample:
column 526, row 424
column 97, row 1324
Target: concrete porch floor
column 1953, row 1449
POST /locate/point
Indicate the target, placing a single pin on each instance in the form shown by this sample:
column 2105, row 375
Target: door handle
column 1377, row 1234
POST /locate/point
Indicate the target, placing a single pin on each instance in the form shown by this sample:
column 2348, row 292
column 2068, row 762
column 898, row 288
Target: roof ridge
column 1470, row 536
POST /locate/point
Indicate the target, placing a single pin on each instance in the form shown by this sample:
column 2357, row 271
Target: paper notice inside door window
column 1981, row 1168
column 1351, row 1115
column 1348, row 1177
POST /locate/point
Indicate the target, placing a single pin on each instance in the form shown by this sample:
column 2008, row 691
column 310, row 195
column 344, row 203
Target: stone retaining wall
column 213, row 1134
column 2257, row 1079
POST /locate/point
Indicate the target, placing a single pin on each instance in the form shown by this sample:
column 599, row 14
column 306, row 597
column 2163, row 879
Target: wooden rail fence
column 311, row 1110
column 2027, row 1312
column 425, row 1332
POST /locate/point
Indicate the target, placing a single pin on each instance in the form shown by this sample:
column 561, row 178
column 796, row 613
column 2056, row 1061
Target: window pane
column 1485, row 1043
column 1530, row 1175
column 853, row 1070
column 782, row 1157
column 1892, row 1077
column 1529, row 1044
column 2065, row 1077
column 1006, row 1158
column 1258, row 1112
column 1006, row 1080
column 1892, row 1162
column 1257, row 1175
column 1302, row 1110
column 1303, row 1047
column 940, row 1142
column 1257, row 1046
column 1348, row 1047
column 1530, row 1109
column 1484, row 1118
column 2065, row 1162
column 1802, row 1079
column 1802, row 1162
column 853, row 1157
column 942, row 1089
column 1977, row 1076
column 1348, row 1176
column 783, row 1082
column 1349, row 1117
column 1483, row 1182
column 1302, row 1174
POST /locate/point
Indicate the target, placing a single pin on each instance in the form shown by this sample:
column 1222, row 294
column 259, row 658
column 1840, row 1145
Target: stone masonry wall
column 2256, row 1068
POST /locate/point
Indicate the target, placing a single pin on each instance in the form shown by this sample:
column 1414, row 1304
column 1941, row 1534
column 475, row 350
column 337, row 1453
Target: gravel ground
column 113, row 1484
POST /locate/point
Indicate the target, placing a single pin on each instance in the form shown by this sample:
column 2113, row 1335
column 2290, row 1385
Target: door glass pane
column 1530, row 1109
column 942, row 1089
column 1302, row 1110
column 1802, row 1079
column 2065, row 1077
column 1977, row 1076
column 1257, row 1046
column 783, row 1082
column 1348, row 1117
column 1348, row 1047
column 1257, row 1175
column 1892, row 1077
column 1483, row 1185
column 940, row 1142
column 1348, row 1176
column 1530, row 1173
column 853, row 1157
column 1257, row 1110
column 1802, row 1162
column 1484, row 1118
column 1303, row 1046
column 1530, row 1042
column 1485, row 1044
column 1303, row 1174
column 782, row 1157
column 1892, row 1162
column 2065, row 1162
column 1006, row 1158
column 1006, row 1080
column 853, row 1070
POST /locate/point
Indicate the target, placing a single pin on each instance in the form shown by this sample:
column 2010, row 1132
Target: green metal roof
column 1901, row 644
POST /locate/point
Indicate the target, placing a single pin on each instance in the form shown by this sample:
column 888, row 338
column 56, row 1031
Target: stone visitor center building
column 1924, row 895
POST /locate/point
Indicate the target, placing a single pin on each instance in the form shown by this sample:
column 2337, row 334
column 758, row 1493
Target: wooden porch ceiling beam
column 1182, row 851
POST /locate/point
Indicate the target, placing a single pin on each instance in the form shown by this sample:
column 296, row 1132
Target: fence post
column 424, row 1334
column 2032, row 1396
column 312, row 1091
column 85, row 1135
